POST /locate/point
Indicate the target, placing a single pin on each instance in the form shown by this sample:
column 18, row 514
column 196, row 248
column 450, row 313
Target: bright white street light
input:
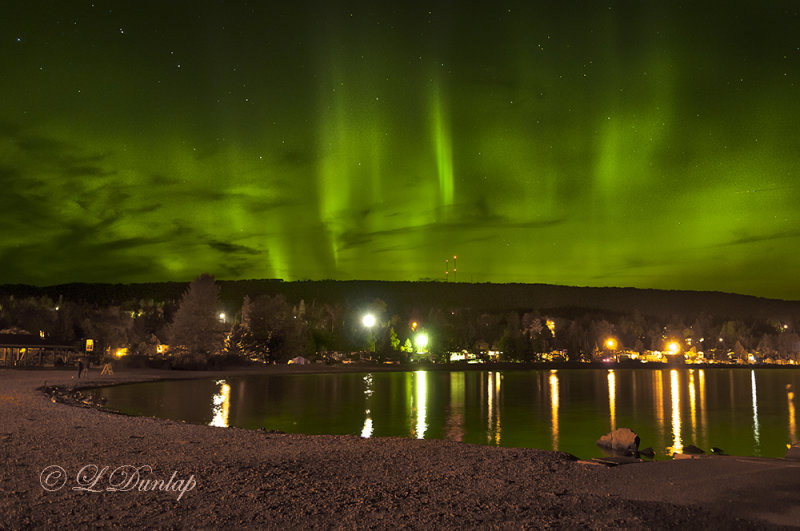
column 368, row 320
column 422, row 341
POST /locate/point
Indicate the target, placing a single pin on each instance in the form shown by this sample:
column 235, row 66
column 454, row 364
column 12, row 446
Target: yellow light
column 120, row 352
column 414, row 325
column 551, row 325
column 673, row 347
column 611, row 343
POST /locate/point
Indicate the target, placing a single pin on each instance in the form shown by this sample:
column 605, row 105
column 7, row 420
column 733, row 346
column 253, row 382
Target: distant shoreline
column 318, row 368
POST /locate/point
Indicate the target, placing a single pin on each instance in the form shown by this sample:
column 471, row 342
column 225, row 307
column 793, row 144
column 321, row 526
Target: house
column 18, row 350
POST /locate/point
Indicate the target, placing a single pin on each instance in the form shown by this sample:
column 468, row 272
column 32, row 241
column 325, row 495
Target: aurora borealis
column 643, row 144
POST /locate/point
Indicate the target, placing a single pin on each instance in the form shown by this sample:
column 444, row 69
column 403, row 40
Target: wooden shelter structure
column 26, row 350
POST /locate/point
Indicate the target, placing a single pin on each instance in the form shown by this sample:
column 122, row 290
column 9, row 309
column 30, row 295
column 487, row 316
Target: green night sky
column 643, row 144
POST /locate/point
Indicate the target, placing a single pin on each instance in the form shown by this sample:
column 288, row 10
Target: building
column 24, row 350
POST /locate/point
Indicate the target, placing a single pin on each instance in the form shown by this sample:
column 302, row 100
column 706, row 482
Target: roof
column 28, row 341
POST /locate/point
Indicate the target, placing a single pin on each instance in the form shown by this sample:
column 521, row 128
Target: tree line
column 271, row 328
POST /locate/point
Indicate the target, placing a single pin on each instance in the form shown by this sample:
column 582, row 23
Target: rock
column 648, row 452
column 693, row 450
column 717, row 451
column 614, row 461
column 794, row 451
column 620, row 440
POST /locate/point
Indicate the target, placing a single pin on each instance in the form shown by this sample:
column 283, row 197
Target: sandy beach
column 63, row 465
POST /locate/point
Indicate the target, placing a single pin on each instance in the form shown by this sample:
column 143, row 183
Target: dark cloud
column 746, row 240
column 232, row 248
column 462, row 231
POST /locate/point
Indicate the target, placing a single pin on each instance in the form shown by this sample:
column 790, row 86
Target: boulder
column 620, row 440
column 794, row 451
column 648, row 452
column 692, row 450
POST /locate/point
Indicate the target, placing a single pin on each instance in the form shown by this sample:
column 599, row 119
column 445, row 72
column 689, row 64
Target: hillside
column 403, row 296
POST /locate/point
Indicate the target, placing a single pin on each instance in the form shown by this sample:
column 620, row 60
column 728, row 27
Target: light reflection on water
column 421, row 385
column 612, row 398
column 554, row 406
column 744, row 411
column 493, row 400
column 703, row 429
column 454, row 428
column 366, row 431
column 658, row 387
column 792, row 421
column 675, row 393
column 693, row 404
column 220, row 405
column 756, row 434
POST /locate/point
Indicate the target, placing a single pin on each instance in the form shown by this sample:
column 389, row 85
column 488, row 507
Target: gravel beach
column 60, row 464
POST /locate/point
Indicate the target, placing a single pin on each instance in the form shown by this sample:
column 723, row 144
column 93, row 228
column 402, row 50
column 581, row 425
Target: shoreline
column 250, row 478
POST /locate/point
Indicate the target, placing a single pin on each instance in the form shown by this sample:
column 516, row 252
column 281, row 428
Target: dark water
column 742, row 411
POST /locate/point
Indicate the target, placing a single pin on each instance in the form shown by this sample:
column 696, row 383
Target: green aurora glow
column 645, row 144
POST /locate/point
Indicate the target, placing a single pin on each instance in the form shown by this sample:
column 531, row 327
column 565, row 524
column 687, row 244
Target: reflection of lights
column 677, row 444
column 368, row 320
column 455, row 421
column 366, row 431
column 222, row 402
column 756, row 434
column 422, row 397
column 692, row 403
column 493, row 399
column 612, row 398
column 703, row 402
column 554, row 406
column 658, row 378
column 792, row 425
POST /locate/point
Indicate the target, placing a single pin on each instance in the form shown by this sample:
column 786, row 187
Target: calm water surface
column 742, row 411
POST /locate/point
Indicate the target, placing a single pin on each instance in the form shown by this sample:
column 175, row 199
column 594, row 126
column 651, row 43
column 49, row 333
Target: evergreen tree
column 196, row 327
